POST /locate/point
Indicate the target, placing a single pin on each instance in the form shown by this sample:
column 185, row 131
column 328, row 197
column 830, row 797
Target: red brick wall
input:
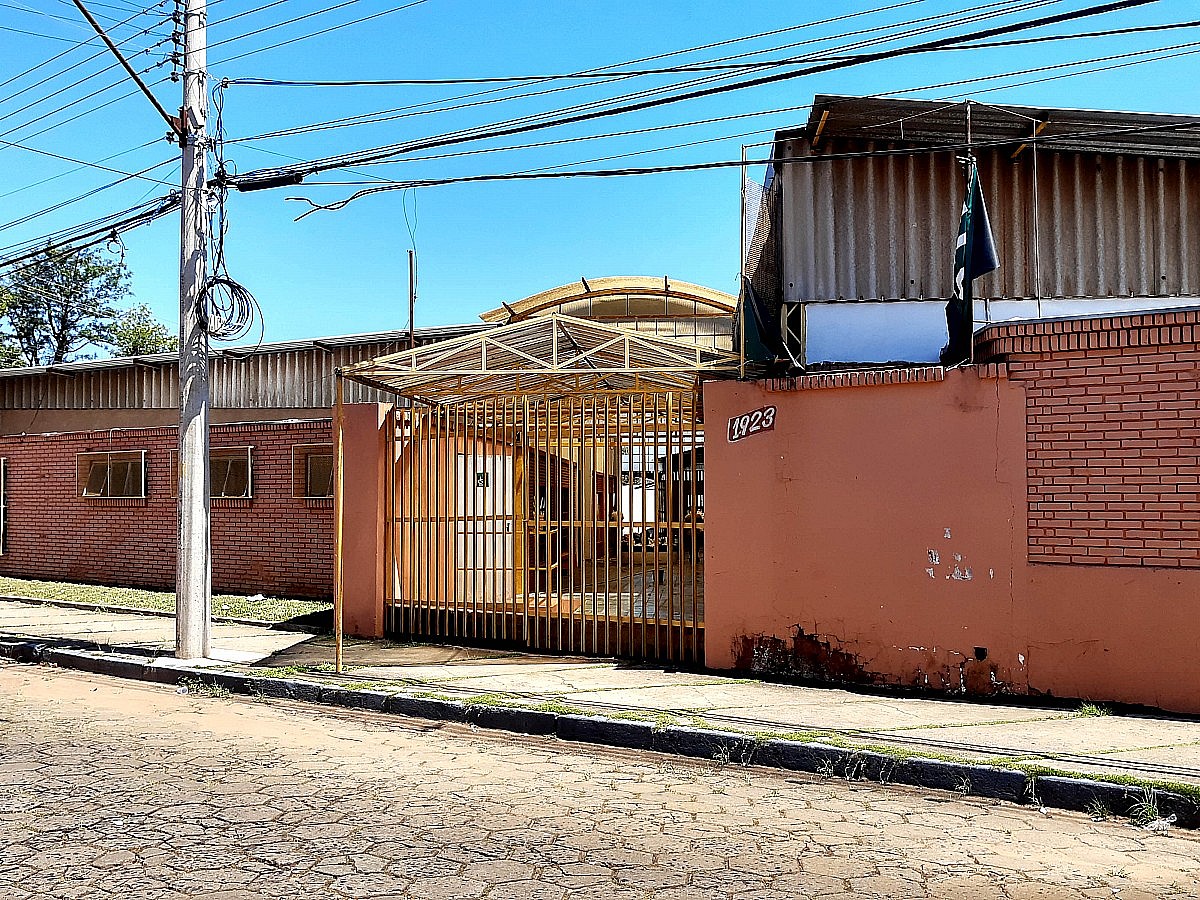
column 273, row 543
column 1113, row 437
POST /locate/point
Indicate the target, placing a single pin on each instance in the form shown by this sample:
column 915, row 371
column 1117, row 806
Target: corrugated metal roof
column 423, row 336
column 935, row 123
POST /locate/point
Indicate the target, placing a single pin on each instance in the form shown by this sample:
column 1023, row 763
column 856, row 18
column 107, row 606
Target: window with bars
column 112, row 475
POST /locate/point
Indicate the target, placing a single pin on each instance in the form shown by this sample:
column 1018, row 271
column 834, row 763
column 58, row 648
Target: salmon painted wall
column 364, row 451
column 879, row 535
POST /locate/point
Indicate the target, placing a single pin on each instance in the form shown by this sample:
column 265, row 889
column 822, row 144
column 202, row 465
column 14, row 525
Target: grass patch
column 1092, row 711
column 267, row 609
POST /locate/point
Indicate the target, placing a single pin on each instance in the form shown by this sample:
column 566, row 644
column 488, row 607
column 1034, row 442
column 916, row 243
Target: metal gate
column 571, row 524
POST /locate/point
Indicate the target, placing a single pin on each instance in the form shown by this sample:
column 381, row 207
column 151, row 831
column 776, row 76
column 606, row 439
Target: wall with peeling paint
column 879, row 535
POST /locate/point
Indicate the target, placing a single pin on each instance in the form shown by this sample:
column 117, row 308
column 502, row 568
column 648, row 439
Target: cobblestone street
column 114, row 789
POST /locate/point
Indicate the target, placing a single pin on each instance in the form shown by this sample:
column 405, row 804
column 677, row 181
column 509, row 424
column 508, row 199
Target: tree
column 137, row 332
column 64, row 305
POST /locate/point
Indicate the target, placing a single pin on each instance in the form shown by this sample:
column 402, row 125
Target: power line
column 422, row 108
column 80, row 162
column 743, row 163
column 84, row 196
column 248, row 180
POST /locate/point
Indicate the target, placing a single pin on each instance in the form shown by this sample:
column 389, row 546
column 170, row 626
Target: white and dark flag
column 974, row 255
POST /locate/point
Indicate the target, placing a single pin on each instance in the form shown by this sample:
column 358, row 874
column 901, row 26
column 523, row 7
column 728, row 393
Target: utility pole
column 193, row 587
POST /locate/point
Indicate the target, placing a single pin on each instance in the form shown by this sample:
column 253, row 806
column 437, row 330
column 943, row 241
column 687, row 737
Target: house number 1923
column 751, row 423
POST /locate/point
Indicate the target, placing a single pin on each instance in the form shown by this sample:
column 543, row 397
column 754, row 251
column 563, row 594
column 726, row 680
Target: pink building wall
column 894, row 533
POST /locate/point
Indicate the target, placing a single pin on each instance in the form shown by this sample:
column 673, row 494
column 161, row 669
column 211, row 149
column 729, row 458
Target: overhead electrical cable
column 84, row 196
column 980, row 13
column 743, row 163
column 78, row 168
column 265, row 177
column 61, row 72
column 81, row 162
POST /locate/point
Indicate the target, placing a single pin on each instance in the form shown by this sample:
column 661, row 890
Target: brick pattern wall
column 273, row 543
column 1113, row 437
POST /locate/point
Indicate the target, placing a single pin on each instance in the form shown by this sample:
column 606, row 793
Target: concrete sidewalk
column 1159, row 748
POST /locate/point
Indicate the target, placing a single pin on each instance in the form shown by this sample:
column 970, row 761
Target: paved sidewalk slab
column 1155, row 747
column 149, row 634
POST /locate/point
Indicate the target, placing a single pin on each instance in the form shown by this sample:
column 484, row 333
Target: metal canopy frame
column 550, row 356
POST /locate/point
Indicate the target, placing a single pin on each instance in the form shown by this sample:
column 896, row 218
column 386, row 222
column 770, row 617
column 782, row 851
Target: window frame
column 3, row 505
column 89, row 458
column 301, row 454
column 220, row 453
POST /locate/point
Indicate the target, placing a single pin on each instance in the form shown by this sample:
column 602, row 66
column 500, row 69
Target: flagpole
column 972, row 174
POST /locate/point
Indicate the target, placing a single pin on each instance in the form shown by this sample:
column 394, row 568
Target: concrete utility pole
column 193, row 586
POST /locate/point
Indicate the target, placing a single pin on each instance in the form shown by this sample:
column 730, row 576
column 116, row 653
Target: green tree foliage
column 64, row 306
column 137, row 332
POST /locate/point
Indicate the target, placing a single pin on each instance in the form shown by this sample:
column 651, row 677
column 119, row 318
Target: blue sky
column 478, row 245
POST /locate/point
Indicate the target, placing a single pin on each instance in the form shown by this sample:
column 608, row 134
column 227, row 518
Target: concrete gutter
column 1058, row 791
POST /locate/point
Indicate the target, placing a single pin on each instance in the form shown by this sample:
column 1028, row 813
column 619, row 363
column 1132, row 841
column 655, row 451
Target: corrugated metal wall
column 881, row 228
column 301, row 379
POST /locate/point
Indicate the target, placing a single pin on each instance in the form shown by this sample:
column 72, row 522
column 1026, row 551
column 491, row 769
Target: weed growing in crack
column 197, row 688
column 825, row 768
column 1145, row 811
column 855, row 767
column 1092, row 711
column 1097, row 810
column 963, row 787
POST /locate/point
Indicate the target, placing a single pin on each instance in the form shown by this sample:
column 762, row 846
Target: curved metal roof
column 620, row 297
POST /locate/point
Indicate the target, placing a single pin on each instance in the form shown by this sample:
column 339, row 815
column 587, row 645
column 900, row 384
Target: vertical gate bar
column 529, row 557
column 610, row 552
column 416, row 566
column 427, row 554
column 391, row 536
column 672, row 534
column 634, row 401
column 658, row 552
column 478, row 556
column 573, row 505
column 508, row 508
column 568, row 406
column 338, row 513
column 484, row 554
column 601, row 438
column 558, row 514
column 587, row 533
column 469, row 570
column 591, row 508
column 499, row 541
column 438, row 507
column 439, row 494
column 454, row 601
column 431, row 503
column 697, row 531
column 426, row 491
column 546, row 549
column 495, row 544
column 414, row 527
column 640, row 644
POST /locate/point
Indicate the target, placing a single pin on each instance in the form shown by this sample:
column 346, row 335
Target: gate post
column 364, row 479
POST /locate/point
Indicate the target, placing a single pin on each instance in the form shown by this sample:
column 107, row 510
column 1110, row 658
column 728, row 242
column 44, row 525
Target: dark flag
column 974, row 255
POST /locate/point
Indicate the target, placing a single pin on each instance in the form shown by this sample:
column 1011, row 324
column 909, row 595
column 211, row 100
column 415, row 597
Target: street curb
column 160, row 613
column 1078, row 794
